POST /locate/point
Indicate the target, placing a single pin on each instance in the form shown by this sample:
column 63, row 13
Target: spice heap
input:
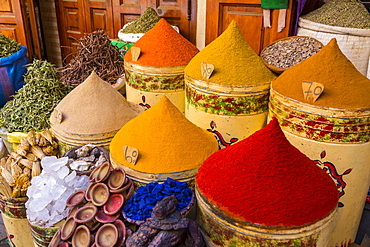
column 165, row 139
column 141, row 205
column 49, row 191
column 95, row 52
column 95, row 217
column 8, row 46
column 145, row 22
column 266, row 181
column 344, row 86
column 162, row 46
column 33, row 104
column 288, row 52
column 20, row 166
column 341, row 13
column 94, row 107
column 234, row 60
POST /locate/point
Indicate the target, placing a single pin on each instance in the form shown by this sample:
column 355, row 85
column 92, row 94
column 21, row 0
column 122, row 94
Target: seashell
column 116, row 178
column 85, row 214
column 94, row 174
column 68, row 228
column 127, row 185
column 89, row 191
column 81, row 237
column 76, row 198
column 114, row 204
column 99, row 194
column 106, row 236
column 55, row 241
column 103, row 172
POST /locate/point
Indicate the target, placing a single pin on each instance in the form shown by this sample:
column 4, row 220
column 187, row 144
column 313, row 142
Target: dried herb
column 34, row 102
column 95, row 53
column 8, row 46
column 145, row 22
column 342, row 13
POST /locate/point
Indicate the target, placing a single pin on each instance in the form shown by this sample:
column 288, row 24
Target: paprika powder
column 265, row 180
column 162, row 46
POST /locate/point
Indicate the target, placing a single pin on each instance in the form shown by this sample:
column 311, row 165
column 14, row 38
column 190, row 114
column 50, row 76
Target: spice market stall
column 331, row 126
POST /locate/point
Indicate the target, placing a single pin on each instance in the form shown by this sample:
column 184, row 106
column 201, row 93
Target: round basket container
column 231, row 113
column 279, row 70
column 145, row 85
column 338, row 140
column 42, row 235
column 143, row 178
column 223, row 230
column 13, row 213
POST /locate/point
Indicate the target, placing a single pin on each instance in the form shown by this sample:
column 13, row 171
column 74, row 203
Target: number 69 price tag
column 131, row 154
column 312, row 90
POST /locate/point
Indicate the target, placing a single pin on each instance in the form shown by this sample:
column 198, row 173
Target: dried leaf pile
column 19, row 167
column 145, row 22
column 32, row 105
column 95, row 53
column 8, row 46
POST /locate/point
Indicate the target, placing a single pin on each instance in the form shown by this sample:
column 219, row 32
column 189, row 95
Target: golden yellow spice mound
column 344, row 86
column 235, row 61
column 165, row 139
column 93, row 107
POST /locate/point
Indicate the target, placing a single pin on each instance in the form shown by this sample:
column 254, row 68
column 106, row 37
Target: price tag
column 131, row 154
column 312, row 90
column 135, row 53
column 207, row 69
column 58, row 116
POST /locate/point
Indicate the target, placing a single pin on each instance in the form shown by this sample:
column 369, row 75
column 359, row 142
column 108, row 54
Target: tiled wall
column 50, row 30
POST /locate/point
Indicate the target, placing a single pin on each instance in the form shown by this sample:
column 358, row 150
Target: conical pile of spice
column 341, row 13
column 265, row 180
column 166, row 141
column 234, row 60
column 145, row 22
column 344, row 86
column 162, row 46
column 93, row 107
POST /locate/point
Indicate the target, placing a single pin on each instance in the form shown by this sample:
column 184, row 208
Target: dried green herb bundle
column 145, row 22
column 341, row 13
column 34, row 102
column 8, row 46
column 95, row 53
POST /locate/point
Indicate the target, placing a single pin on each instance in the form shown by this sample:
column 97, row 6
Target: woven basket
column 88, row 172
column 265, row 51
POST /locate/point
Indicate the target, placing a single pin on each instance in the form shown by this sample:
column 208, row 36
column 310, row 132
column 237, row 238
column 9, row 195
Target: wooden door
column 14, row 24
column 248, row 14
column 71, row 25
column 181, row 13
column 99, row 15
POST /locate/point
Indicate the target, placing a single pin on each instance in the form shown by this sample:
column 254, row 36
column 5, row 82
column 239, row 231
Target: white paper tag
column 207, row 69
column 312, row 90
column 131, row 154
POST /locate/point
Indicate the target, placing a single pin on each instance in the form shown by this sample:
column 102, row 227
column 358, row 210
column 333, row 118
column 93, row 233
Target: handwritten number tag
column 135, row 53
column 207, row 70
column 131, row 154
column 312, row 90
column 58, row 116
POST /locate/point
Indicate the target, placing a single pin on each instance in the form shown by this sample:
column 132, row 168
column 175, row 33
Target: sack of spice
column 13, row 57
column 346, row 20
column 133, row 31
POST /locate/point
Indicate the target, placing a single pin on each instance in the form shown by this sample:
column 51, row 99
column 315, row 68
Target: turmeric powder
column 344, row 86
column 166, row 141
column 235, row 61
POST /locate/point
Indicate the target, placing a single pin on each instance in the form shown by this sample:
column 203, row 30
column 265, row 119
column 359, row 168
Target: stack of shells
column 95, row 219
column 159, row 68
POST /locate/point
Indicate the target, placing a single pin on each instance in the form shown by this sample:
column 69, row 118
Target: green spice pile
column 95, row 53
column 145, row 22
column 341, row 13
column 34, row 102
column 8, row 46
